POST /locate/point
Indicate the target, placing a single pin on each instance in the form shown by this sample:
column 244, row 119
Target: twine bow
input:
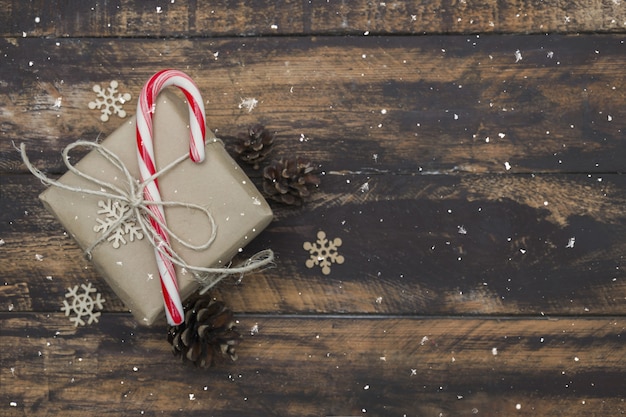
column 140, row 212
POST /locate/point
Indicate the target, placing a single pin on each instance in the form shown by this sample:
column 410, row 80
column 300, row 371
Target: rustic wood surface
column 470, row 156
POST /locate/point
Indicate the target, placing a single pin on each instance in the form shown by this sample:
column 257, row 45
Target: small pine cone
column 288, row 180
column 206, row 335
column 254, row 145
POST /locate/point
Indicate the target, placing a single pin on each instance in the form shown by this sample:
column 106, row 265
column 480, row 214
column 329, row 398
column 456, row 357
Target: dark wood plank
column 425, row 244
column 130, row 18
column 318, row 366
column 372, row 104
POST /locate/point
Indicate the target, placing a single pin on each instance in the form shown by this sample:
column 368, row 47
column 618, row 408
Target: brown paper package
column 218, row 184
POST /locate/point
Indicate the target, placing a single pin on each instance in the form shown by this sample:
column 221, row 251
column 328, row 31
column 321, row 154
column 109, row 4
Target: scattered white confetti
column 424, row 340
column 366, row 387
column 39, row 257
column 248, row 103
column 37, row 19
column 13, row 404
column 365, row 187
column 379, row 300
column 576, row 359
column 462, row 230
column 494, row 351
column 2, row 242
column 159, row 9
column 11, row 307
column 57, row 102
column 571, row 242
column 254, row 329
column 507, row 165
column 383, row 111
column 609, row 118
column 83, row 304
column 274, row 27
column 413, row 372
column 518, row 406
column 192, row 397
column 523, row 251
column 518, row 56
column 550, row 54
column 109, row 101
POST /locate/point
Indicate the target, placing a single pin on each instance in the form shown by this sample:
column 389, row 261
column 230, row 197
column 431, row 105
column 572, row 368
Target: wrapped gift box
column 127, row 262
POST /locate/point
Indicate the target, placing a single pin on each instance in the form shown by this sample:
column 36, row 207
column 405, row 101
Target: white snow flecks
column 115, row 225
column 571, row 242
column 109, row 101
column 518, row 56
column 83, row 304
column 248, row 103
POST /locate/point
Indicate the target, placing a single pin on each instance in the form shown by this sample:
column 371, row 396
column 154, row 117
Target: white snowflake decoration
column 323, row 252
column 82, row 305
column 248, row 103
column 113, row 225
column 109, row 101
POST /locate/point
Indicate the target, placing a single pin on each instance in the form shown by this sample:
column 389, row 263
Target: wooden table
column 470, row 156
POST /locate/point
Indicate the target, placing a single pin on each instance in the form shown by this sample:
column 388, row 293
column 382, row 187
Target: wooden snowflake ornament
column 323, row 252
column 83, row 304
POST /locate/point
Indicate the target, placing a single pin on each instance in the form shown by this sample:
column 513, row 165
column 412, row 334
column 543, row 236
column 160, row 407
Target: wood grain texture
column 470, row 155
column 131, row 18
column 317, row 366
column 393, row 104
column 435, row 245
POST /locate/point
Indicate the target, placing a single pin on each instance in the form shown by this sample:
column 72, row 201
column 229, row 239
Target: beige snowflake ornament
column 323, row 252
column 83, row 304
column 109, row 101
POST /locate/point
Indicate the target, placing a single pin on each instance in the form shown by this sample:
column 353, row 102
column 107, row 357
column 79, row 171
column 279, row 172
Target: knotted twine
column 141, row 213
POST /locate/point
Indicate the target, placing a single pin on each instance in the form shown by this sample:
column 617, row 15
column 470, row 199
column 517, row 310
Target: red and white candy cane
column 147, row 168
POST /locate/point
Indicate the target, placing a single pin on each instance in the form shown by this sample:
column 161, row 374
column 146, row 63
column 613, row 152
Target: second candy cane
column 147, row 168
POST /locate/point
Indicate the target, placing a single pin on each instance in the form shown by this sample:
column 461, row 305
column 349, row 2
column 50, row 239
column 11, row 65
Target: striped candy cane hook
column 147, row 168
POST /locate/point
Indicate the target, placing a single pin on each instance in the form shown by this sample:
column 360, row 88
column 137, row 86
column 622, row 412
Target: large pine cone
column 289, row 180
column 254, row 145
column 206, row 335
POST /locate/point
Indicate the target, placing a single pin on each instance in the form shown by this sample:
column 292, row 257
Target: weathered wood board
column 393, row 104
column 420, row 244
column 127, row 18
column 318, row 366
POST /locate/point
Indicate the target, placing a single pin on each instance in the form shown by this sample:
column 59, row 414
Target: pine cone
column 288, row 180
column 206, row 335
column 254, row 145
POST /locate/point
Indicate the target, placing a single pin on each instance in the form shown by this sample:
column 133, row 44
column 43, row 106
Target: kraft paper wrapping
column 239, row 210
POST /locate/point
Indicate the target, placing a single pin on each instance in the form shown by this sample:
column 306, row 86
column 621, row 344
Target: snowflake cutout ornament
column 323, row 252
column 109, row 101
column 114, row 225
column 82, row 305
